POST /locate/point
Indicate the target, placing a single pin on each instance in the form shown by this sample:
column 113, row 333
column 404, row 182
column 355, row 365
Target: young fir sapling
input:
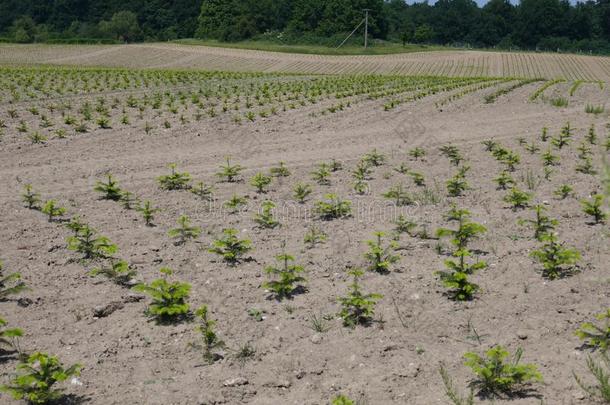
column 235, row 203
column 357, row 307
column 334, row 207
column 313, row 237
column 260, row 182
column 301, row 191
column 110, row 189
column 9, row 337
column 594, row 208
column 148, row 212
column 228, row 172
column 542, row 224
column 119, row 271
column 321, row 175
column 230, row 247
column 86, row 242
column 30, row 198
column 184, row 231
column 596, row 335
column 175, row 180
column 288, row 277
column 517, row 198
column 52, row 210
column 210, row 341
column 557, row 261
column 169, row 299
column 10, row 284
column 265, row 218
column 381, row 257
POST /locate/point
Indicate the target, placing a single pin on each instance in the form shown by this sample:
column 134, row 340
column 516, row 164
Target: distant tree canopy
column 547, row 24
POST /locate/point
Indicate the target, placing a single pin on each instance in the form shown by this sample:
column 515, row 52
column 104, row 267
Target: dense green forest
column 531, row 24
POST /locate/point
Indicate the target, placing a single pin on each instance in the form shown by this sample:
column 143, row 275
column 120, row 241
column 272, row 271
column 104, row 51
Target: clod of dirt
column 102, row 311
column 234, row 382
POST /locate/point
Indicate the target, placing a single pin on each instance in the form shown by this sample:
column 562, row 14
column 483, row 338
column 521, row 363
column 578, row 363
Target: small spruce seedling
column 175, row 180
column 301, row 191
column 184, row 232
column 357, row 307
column 321, row 175
column 148, row 212
column 564, row 191
column 9, row 337
column 109, row 189
column 557, row 261
column 517, row 198
column 280, row 170
column 86, row 242
column 334, row 207
column 228, row 172
column 230, row 247
column 30, row 198
column 381, row 257
column 119, row 272
column 210, row 341
column 399, row 195
column 10, row 284
column 169, row 300
column 203, row 191
column 542, row 224
column 314, row 236
column 596, row 335
column 287, row 277
column 265, row 218
column 594, row 208
column 260, row 182
column 52, row 210
column 564, row 137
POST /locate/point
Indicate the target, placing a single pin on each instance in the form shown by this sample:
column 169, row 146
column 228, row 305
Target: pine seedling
column 260, row 182
column 235, row 203
column 10, row 284
column 334, row 207
column 591, row 136
column 228, row 172
column 37, row 377
column 209, row 339
column 496, row 375
column 230, row 247
column 52, row 210
column 265, row 218
column 564, row 191
column 314, row 236
column 301, row 191
column 381, row 257
column 90, row 245
column 548, row 159
column 9, row 337
column 504, row 180
column 169, row 300
column 148, row 212
column 30, row 198
column 287, row 277
column 357, row 308
column 321, row 175
column 203, row 191
column 517, row 198
column 374, row 158
column 564, row 137
column 119, row 272
column 110, row 189
column 418, row 179
column 127, row 200
column 542, row 224
column 601, row 373
column 557, row 261
column 403, row 225
column 362, row 172
column 456, row 279
column 417, row 153
column 280, row 170
column 596, row 335
column 594, row 208
column 175, row 180
column 399, row 195
column 184, row 232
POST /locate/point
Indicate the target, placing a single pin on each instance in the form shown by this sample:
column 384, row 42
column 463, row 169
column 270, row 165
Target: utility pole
column 366, row 27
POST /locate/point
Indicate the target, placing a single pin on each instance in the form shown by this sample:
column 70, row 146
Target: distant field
column 443, row 63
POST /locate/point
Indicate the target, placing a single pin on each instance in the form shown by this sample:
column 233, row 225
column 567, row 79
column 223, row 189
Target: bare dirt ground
column 444, row 63
column 129, row 360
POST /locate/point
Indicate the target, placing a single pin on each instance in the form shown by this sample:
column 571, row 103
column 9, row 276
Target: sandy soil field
column 129, row 359
column 442, row 63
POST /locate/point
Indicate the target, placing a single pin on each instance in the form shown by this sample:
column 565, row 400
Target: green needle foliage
column 209, row 339
column 342, row 400
column 452, row 153
column 596, row 336
column 185, row 231
column 466, row 231
column 457, row 185
column 37, row 377
column 175, row 180
column 301, row 191
column 374, row 158
column 564, row 191
column 504, row 180
column 511, row 160
column 280, row 170
column 456, row 279
column 418, row 179
column 334, row 207
column 399, row 195
column 321, row 175
column 86, row 242
column 260, row 182
column 357, row 308
column 452, row 392
column 402, row 169
column 229, row 172
column 9, row 337
column 119, row 272
column 517, row 198
column 556, row 260
column 168, row 299
column 595, row 209
column 235, row 203
column 564, row 137
column 110, row 189
column 265, row 218
column 203, row 191
column 499, row 373
column 230, row 247
column 586, row 167
column 548, row 159
column 600, row 391
column 403, row 225
column 542, row 224
column 591, row 136
column 362, row 172
column 30, row 198
column 287, row 277
column 148, row 212
column 381, row 257
column 417, row 153
column 52, row 210
column 127, row 200
column 10, row 284
column 314, row 236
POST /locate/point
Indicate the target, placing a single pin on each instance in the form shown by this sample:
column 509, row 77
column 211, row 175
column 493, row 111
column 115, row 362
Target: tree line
column 531, row 24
